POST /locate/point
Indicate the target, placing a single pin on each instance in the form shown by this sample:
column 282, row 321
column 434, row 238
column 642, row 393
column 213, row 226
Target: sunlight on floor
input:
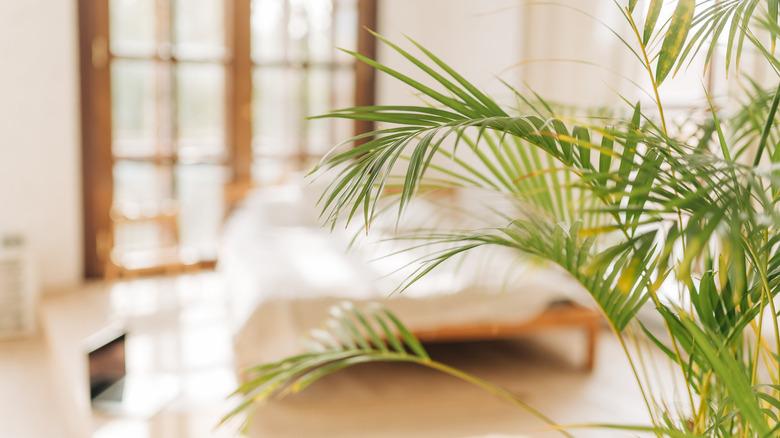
column 180, row 328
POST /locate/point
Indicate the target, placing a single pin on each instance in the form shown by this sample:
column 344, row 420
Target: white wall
column 39, row 134
column 520, row 41
column 479, row 39
column 564, row 41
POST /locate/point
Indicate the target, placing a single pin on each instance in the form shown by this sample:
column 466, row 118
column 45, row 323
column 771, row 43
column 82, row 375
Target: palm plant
column 621, row 202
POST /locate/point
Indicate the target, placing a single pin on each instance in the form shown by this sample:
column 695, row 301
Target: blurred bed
column 286, row 272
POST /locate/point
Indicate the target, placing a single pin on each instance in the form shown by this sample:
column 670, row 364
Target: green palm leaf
column 622, row 203
column 675, row 38
column 353, row 337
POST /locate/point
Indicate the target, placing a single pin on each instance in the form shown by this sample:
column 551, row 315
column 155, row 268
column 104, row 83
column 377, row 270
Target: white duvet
column 285, row 272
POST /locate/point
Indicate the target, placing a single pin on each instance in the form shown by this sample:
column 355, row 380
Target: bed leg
column 591, row 334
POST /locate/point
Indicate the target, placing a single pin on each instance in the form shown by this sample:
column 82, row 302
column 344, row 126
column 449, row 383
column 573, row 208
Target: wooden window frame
column 365, row 75
column 96, row 115
column 97, row 169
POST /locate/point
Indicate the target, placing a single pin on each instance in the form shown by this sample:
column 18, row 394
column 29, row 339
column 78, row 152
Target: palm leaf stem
column 635, row 372
column 767, row 127
column 492, row 389
column 647, row 65
column 766, row 296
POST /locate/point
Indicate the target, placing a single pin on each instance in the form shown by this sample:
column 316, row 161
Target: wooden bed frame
column 560, row 315
column 564, row 314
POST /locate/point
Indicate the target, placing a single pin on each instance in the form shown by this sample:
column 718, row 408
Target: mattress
column 286, row 272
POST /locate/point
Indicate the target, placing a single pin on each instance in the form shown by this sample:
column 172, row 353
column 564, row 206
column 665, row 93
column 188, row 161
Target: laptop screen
column 106, row 365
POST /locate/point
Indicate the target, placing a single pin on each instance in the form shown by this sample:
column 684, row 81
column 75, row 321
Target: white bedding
column 286, row 272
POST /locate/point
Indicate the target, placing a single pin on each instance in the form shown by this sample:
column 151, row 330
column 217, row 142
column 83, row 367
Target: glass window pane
column 297, row 30
column 199, row 28
column 319, row 102
column 134, row 107
column 201, row 110
column 142, row 235
column 346, row 23
column 320, row 16
column 268, row 25
column 343, row 96
column 200, row 190
column 142, row 188
column 132, row 26
column 278, row 110
column 271, row 171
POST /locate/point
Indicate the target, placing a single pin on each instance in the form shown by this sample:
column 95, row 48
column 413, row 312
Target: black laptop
column 114, row 391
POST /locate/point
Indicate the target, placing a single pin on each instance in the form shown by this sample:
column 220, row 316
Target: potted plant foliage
column 622, row 203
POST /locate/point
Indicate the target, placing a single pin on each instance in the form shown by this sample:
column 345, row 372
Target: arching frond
column 351, row 337
column 621, row 204
column 616, row 277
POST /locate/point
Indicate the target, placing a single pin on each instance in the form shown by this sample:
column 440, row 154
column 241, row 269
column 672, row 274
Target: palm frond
column 352, row 337
column 623, row 204
column 715, row 22
column 616, row 277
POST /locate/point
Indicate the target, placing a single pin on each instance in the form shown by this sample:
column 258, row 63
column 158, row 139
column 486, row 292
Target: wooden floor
column 182, row 329
column 27, row 408
column 558, row 316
